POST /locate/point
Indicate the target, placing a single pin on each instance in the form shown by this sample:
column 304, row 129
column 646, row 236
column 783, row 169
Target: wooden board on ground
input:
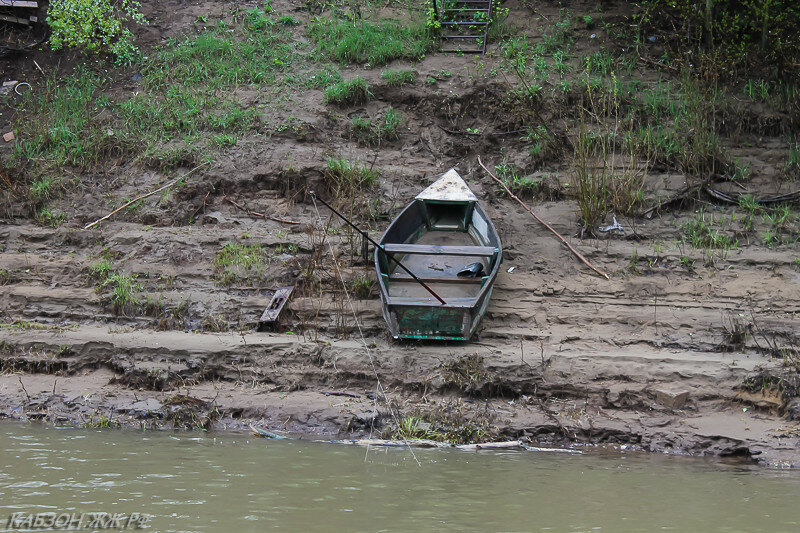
column 273, row 311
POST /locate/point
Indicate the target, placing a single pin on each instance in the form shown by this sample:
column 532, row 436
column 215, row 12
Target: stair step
column 474, row 23
column 466, row 11
column 462, row 36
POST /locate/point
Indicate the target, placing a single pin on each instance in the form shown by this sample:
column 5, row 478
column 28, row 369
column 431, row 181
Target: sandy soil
column 673, row 356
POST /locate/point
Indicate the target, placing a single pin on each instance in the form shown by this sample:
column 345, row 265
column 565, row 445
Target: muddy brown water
column 194, row 482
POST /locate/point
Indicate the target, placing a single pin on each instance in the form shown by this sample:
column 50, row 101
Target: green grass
column 123, row 291
column 70, row 122
column 236, row 262
column 386, row 129
column 517, row 183
column 389, row 126
column 793, row 161
column 348, row 181
column 65, row 132
column 397, row 78
column 41, row 190
column 376, row 43
column 324, row 77
column 700, row 232
column 600, row 62
column 355, row 91
column 361, row 286
column 363, row 130
column 253, row 53
column 123, row 287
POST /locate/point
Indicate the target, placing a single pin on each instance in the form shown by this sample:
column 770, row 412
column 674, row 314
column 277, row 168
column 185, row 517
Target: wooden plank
column 18, row 3
column 432, row 302
column 276, row 304
column 428, row 249
column 434, row 279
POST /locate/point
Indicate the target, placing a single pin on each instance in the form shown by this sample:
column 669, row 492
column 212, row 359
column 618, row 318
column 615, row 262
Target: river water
column 206, row 482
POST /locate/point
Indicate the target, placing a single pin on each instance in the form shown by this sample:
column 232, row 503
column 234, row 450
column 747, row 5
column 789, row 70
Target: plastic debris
column 611, row 227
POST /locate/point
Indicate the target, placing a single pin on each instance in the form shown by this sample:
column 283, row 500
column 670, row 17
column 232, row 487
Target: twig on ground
column 142, row 197
column 337, row 393
column 545, row 224
column 21, row 384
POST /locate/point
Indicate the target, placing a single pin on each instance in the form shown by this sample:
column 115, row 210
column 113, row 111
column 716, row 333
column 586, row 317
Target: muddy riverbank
column 149, row 318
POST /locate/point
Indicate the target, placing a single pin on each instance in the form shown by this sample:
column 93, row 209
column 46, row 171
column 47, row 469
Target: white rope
column 361, row 333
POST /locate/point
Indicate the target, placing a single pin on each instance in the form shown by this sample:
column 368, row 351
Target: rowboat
column 448, row 247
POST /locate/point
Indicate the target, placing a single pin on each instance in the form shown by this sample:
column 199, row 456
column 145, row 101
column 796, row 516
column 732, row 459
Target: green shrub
column 95, row 26
column 355, row 91
column 368, row 42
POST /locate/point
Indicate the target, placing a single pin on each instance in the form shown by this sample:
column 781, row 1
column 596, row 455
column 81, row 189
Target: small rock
column 8, row 137
column 144, row 407
column 672, row 398
column 215, row 217
column 793, row 410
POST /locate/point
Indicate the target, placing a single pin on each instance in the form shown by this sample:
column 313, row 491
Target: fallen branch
column 734, row 198
column 337, row 393
column 545, row 224
column 262, row 215
column 681, row 195
column 142, row 197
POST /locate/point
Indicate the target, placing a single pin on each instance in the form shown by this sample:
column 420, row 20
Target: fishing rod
column 379, row 247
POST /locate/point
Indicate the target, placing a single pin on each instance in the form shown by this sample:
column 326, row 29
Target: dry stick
column 262, row 215
column 21, row 384
column 545, row 224
column 142, row 197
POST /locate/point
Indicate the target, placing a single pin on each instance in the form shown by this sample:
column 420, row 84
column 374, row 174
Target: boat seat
column 431, row 302
column 434, row 249
column 434, row 279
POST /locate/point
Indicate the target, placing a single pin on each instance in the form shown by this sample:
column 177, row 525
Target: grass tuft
column 353, row 92
column 235, row 262
column 398, row 78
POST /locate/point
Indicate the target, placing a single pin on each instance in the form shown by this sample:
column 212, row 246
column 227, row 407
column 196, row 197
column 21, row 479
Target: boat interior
column 447, row 244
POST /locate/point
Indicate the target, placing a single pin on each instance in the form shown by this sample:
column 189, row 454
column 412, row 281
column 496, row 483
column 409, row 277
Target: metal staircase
column 464, row 24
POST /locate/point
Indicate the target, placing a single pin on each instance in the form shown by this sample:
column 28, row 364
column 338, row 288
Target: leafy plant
column 95, row 26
